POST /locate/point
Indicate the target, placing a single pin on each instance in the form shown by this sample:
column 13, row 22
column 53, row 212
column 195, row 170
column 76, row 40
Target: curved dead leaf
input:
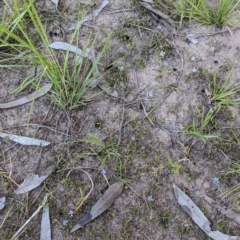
column 30, row 183
column 24, row 140
column 37, row 94
column 45, row 224
column 2, row 202
column 90, row 16
column 198, row 217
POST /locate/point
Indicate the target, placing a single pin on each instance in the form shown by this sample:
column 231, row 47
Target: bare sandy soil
column 160, row 79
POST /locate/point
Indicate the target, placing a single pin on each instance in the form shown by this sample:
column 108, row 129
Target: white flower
column 133, row 138
column 103, row 172
column 212, row 49
column 120, row 68
column 150, row 94
column 215, row 180
column 65, row 222
column 193, row 59
column 70, row 213
column 194, row 70
column 150, row 198
column 162, row 53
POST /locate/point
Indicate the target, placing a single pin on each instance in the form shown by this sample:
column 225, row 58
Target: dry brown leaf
column 37, row 94
column 101, row 205
column 198, row 217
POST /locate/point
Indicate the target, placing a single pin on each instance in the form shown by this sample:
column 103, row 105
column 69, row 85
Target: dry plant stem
column 146, row 114
column 121, row 123
column 180, row 56
column 221, row 152
column 136, row 193
column 86, row 118
column 120, row 11
column 17, row 234
column 164, row 17
column 216, row 33
column 69, row 123
column 136, row 99
column 9, row 177
column 4, row 219
column 92, row 186
column 134, row 118
column 6, row 150
column 159, row 103
column 229, row 191
column 36, row 196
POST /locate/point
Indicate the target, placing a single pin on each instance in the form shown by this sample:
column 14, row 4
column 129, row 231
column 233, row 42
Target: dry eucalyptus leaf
column 148, row 1
column 71, row 48
column 192, row 38
column 227, row 212
column 100, row 81
column 101, row 205
column 87, row 2
column 167, row 21
column 104, row 86
column 55, row 1
column 29, row 183
column 37, row 94
column 90, row 16
column 45, row 224
column 2, row 202
column 198, row 217
column 25, row 140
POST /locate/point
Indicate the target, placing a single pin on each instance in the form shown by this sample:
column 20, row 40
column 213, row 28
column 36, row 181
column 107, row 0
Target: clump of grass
column 23, row 35
column 225, row 12
column 201, row 126
column 223, row 92
column 174, row 167
column 222, row 95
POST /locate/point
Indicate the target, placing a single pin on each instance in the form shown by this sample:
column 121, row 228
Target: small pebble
column 206, row 185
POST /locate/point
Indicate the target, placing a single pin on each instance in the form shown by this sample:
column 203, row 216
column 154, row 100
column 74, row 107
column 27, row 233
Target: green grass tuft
column 30, row 49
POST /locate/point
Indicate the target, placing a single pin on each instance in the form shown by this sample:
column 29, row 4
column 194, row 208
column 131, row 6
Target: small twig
column 221, row 152
column 160, row 103
column 146, row 114
column 220, row 32
column 136, row 101
column 33, row 215
column 92, row 186
column 118, row 11
column 121, row 123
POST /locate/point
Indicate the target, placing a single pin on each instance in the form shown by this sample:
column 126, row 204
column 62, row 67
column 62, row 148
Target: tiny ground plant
column 201, row 127
column 222, row 95
column 223, row 92
column 70, row 76
column 122, row 35
column 223, row 13
column 174, row 167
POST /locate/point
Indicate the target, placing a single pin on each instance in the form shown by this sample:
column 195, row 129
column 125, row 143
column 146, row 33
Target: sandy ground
column 158, row 98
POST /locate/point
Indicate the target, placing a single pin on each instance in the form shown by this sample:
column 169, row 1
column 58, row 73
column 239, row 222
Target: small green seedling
column 199, row 129
column 175, row 167
column 223, row 93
